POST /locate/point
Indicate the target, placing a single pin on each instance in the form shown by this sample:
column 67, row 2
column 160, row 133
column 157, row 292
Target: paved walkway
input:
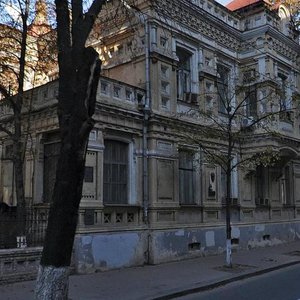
column 166, row 281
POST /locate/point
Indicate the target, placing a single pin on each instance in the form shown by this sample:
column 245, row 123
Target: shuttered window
column 186, row 178
column 115, row 173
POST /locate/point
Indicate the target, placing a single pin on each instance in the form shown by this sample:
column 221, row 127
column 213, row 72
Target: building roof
column 237, row 4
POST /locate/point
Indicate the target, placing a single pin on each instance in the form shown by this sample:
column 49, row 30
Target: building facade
column 179, row 78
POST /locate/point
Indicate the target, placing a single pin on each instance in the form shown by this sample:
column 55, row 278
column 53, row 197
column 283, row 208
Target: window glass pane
column 89, row 174
column 222, row 87
column 115, row 172
column 183, row 72
column 186, row 177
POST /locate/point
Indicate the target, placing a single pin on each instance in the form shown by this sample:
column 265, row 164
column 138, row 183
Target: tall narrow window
column 115, row 173
column 283, row 100
column 285, row 187
column 262, row 186
column 183, row 72
column 251, row 102
column 186, row 177
column 223, row 88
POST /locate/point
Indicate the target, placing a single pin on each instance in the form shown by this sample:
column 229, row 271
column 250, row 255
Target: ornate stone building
column 176, row 74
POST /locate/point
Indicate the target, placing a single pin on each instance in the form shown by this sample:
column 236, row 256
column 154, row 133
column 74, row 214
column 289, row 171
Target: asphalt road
column 283, row 284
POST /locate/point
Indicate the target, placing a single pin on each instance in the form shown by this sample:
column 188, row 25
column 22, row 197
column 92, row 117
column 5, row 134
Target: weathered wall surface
column 182, row 243
column 102, row 251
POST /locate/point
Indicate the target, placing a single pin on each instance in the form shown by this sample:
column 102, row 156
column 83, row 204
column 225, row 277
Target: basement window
column 194, row 246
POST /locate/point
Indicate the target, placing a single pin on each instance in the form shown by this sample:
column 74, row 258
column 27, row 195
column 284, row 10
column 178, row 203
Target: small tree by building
column 231, row 115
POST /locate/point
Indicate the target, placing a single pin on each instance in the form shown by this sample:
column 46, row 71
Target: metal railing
column 35, row 222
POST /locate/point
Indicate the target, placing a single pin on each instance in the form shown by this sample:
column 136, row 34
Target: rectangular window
column 183, row 72
column 104, row 88
column 129, row 95
column 262, row 186
column 283, row 84
column 251, row 102
column 223, row 88
column 115, row 173
column 285, row 186
column 117, row 92
column 186, row 177
column 89, row 174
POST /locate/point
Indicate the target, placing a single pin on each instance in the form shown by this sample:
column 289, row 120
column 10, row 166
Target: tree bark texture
column 18, row 146
column 52, row 283
column 75, row 125
column 79, row 71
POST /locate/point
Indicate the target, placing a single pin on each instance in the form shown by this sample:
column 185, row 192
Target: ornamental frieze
column 284, row 50
column 172, row 10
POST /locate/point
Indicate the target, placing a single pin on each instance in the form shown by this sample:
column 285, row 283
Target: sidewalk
column 168, row 280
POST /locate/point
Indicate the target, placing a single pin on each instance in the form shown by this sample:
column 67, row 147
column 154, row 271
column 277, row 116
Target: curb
column 224, row 282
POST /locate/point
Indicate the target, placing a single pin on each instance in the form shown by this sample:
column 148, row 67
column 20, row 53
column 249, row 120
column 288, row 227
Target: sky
column 224, row 2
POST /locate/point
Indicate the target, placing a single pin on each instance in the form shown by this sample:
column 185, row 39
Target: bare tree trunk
column 228, row 194
column 52, row 283
column 78, row 88
column 20, row 194
column 20, row 147
column 228, row 225
column 79, row 71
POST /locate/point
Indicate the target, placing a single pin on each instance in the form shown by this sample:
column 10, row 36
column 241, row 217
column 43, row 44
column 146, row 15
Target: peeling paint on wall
column 235, row 232
column 259, row 227
column 210, row 238
column 101, row 251
column 109, row 251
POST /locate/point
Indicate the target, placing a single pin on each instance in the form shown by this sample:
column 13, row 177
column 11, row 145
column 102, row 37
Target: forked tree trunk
column 77, row 92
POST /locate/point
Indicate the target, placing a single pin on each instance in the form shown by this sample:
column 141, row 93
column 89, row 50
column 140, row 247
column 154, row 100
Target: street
column 278, row 285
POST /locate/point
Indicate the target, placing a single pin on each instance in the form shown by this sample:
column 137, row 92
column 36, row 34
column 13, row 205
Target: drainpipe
column 146, row 112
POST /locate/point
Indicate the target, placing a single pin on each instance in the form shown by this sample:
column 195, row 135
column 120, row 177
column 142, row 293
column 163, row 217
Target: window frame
column 224, row 85
column 183, row 171
column 115, row 164
column 132, row 186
